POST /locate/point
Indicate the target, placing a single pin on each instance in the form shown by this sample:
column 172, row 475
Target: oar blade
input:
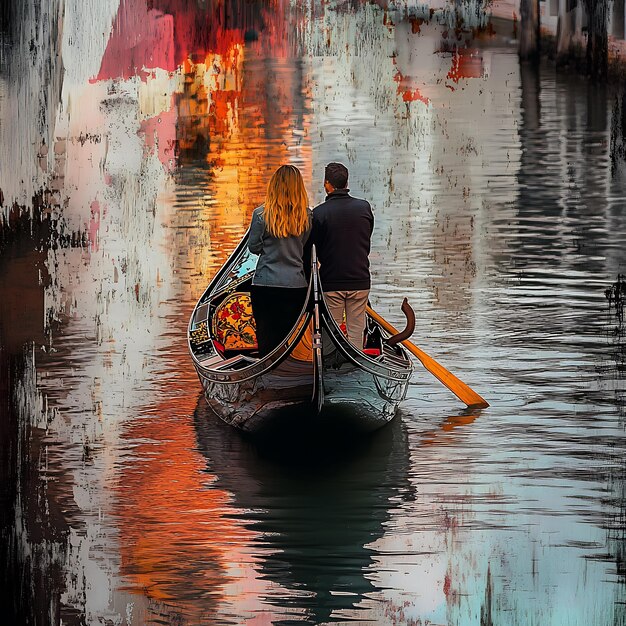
column 458, row 387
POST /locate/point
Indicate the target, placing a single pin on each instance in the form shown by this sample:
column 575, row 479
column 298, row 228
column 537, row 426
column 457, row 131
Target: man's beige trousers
column 353, row 303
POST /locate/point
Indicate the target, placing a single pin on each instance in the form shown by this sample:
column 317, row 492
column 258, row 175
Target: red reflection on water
column 166, row 33
column 466, row 63
column 140, row 39
column 408, row 93
column 213, row 26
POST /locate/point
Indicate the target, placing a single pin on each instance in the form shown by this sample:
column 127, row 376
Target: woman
column 278, row 233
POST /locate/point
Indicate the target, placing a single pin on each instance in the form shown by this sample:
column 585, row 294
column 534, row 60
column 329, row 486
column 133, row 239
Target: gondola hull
column 316, row 376
column 353, row 397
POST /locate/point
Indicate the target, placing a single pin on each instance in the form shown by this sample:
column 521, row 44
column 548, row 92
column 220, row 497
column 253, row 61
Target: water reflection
column 316, row 507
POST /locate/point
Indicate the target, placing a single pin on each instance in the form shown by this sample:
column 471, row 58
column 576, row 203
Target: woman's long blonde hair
column 285, row 211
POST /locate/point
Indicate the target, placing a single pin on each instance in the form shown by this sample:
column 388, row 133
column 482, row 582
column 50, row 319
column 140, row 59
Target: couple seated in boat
column 282, row 231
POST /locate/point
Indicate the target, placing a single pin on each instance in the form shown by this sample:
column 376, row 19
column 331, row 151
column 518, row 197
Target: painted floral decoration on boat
column 233, row 323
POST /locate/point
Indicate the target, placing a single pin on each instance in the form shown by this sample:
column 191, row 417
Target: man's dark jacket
column 342, row 229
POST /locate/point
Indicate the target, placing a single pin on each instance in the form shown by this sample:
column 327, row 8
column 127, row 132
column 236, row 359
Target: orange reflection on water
column 178, row 544
column 264, row 133
column 243, row 115
column 176, row 537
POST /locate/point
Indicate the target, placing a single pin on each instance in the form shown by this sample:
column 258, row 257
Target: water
column 500, row 214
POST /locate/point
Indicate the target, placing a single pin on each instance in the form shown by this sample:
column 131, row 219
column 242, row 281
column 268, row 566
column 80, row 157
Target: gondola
column 315, row 374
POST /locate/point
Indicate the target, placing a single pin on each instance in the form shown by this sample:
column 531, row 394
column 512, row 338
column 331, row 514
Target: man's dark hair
column 337, row 175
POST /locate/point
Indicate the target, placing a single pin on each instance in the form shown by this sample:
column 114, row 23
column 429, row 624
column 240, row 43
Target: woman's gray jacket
column 280, row 258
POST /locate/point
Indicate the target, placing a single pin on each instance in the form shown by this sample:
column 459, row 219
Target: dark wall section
column 30, row 541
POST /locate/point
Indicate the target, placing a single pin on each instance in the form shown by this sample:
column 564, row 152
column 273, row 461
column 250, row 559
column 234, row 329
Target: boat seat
column 233, row 326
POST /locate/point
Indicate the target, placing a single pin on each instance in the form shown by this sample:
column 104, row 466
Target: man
column 342, row 230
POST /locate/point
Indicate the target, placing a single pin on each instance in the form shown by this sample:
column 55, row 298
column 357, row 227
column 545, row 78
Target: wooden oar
column 456, row 386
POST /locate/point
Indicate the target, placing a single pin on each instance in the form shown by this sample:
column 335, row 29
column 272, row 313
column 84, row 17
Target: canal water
column 499, row 194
